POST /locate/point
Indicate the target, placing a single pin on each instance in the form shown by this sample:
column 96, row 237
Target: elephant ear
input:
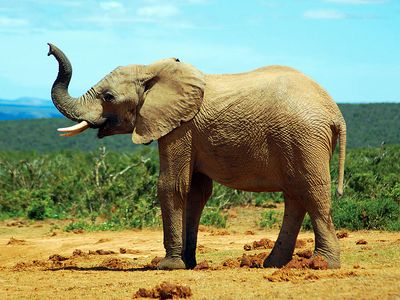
column 173, row 94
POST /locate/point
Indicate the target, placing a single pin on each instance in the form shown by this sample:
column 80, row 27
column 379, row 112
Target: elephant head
column 148, row 101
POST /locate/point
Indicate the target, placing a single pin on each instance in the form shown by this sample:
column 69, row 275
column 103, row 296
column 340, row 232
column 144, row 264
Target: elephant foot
column 190, row 263
column 276, row 262
column 189, row 257
column 333, row 262
column 171, row 263
column 271, row 262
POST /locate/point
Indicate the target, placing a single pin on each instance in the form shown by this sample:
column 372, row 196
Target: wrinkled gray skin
column 272, row 129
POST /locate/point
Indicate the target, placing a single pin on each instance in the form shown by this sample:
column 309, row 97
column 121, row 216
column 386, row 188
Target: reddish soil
column 114, row 263
column 35, row 264
column 101, row 252
column 361, row 242
column 202, row 266
column 342, row 234
column 316, row 263
column 249, row 232
column 57, row 257
column 219, row 232
column 261, row 244
column 301, row 243
column 253, row 261
column 164, row 291
column 154, row 262
column 305, row 253
column 232, row 263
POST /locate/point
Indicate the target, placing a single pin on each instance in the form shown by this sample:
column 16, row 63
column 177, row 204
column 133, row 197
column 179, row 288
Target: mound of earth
column 315, row 263
column 52, row 263
column 295, row 276
column 301, row 243
column 101, row 252
column 202, row 266
column 219, row 232
column 361, row 242
column 261, row 244
column 305, row 253
column 165, row 290
column 115, row 264
column 154, row 262
column 253, row 261
column 57, row 257
column 342, row 234
column 232, row 263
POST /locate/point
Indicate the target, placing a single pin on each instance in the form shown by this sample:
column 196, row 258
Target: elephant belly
column 240, row 170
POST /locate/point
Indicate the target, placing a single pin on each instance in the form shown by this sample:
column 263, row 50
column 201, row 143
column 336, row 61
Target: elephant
column 272, row 129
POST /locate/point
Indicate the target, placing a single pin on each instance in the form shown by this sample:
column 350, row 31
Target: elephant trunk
column 75, row 109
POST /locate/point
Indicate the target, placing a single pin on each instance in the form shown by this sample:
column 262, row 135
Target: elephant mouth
column 107, row 127
column 102, row 132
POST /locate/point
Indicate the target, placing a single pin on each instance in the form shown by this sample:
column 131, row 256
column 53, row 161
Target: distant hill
column 41, row 135
column 368, row 125
column 27, row 108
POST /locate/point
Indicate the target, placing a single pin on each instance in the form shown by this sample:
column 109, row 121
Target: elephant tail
column 342, row 154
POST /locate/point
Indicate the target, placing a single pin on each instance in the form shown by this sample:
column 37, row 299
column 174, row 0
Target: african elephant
column 268, row 130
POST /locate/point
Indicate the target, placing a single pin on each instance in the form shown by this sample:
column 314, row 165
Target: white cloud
column 111, row 5
column 158, row 11
column 324, row 14
column 357, row 2
column 12, row 22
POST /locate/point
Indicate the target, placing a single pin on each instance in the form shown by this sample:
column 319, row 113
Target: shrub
column 213, row 217
column 270, row 218
column 367, row 214
column 120, row 189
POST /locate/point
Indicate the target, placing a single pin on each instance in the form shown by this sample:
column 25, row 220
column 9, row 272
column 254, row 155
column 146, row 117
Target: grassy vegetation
column 104, row 190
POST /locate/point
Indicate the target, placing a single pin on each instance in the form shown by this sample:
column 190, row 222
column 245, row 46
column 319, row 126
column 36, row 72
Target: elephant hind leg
column 293, row 218
column 200, row 192
column 318, row 202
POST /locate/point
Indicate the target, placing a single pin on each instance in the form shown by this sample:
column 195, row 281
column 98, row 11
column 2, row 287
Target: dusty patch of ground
column 35, row 263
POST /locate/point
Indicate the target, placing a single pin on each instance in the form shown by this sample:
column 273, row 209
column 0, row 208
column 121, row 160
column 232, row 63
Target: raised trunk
column 73, row 108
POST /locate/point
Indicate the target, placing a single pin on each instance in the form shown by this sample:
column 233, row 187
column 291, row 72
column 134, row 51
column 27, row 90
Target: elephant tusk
column 75, row 129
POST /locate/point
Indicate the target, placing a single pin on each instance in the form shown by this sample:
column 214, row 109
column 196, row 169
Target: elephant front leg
column 172, row 207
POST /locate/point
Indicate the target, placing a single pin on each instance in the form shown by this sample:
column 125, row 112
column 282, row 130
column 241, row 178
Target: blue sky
column 351, row 47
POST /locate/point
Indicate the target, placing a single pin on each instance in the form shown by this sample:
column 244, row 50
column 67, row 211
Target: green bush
column 83, row 225
column 366, row 214
column 270, row 219
column 120, row 189
column 213, row 217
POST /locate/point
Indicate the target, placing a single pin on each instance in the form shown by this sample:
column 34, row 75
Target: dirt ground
column 40, row 261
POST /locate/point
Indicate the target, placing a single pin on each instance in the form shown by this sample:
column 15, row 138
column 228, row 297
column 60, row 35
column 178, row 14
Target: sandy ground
column 30, row 269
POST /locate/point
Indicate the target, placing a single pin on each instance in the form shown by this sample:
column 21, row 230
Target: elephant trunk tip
column 51, row 49
column 339, row 192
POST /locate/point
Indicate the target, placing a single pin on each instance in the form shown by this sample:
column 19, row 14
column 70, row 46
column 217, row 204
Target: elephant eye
column 108, row 97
